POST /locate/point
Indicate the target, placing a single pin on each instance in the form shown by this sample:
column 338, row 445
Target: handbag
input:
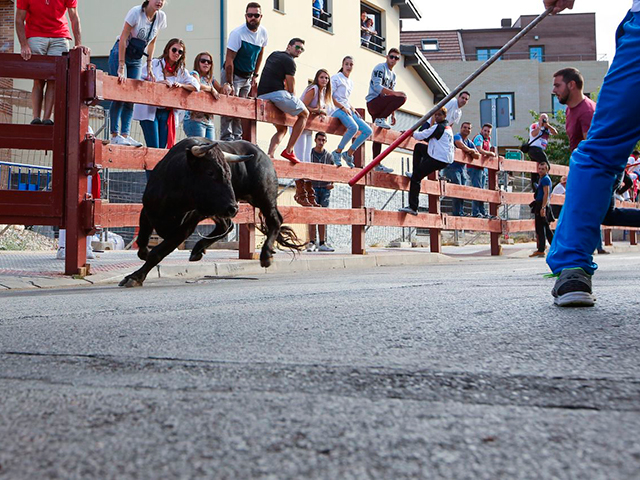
column 524, row 148
column 136, row 46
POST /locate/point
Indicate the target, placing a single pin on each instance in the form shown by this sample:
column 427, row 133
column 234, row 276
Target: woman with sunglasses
column 158, row 123
column 199, row 124
column 140, row 31
column 342, row 87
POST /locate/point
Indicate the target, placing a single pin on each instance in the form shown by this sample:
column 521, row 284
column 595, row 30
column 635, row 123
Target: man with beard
column 245, row 47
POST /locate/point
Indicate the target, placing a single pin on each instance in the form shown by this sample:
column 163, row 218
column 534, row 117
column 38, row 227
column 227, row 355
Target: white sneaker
column 383, row 169
column 118, row 140
column 131, row 141
column 90, row 255
column 325, row 247
column 60, row 253
column 382, row 123
column 311, row 247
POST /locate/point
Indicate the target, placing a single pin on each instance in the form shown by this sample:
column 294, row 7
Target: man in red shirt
column 42, row 29
column 567, row 86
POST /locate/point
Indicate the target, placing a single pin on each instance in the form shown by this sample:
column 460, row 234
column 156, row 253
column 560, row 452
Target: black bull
column 184, row 190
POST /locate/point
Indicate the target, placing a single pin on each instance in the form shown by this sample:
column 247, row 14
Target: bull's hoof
column 196, row 257
column 143, row 253
column 129, row 282
column 265, row 261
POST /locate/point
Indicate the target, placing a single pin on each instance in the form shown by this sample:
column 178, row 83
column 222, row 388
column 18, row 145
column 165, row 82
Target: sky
column 438, row 15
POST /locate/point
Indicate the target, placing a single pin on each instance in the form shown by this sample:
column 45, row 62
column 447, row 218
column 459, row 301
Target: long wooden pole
column 451, row 95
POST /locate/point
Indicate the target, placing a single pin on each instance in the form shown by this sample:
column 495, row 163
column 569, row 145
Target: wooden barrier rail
column 254, row 110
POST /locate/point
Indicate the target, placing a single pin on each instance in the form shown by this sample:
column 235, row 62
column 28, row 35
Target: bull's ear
column 232, row 158
column 201, row 150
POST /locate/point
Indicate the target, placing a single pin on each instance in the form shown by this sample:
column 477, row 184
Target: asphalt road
column 461, row 371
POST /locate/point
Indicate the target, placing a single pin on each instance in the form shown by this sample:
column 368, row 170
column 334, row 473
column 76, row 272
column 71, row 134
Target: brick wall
column 6, row 46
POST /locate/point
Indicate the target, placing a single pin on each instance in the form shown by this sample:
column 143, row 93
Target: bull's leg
column 223, row 226
column 273, row 222
column 144, row 233
column 155, row 256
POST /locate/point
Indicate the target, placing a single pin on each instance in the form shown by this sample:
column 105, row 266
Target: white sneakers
column 382, row 123
column 60, row 254
column 323, row 247
column 120, row 140
column 381, row 168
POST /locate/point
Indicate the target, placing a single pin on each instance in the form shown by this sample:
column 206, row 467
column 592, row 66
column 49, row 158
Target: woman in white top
column 317, row 99
column 141, row 27
column 342, row 87
column 159, row 124
column 199, row 124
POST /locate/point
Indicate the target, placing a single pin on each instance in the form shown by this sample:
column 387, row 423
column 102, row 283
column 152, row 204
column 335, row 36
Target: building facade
column 524, row 74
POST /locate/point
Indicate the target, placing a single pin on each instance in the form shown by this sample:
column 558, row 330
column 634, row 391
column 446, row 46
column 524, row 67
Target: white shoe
column 325, row 247
column 408, row 210
column 131, row 141
column 311, row 247
column 90, row 255
column 382, row 123
column 60, row 253
column 383, row 169
column 118, row 140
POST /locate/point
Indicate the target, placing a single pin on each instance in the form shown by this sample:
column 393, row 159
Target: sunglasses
column 394, row 57
column 253, row 15
column 204, row 60
column 175, row 50
column 298, row 47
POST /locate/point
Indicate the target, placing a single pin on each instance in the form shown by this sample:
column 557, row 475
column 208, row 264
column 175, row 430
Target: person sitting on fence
column 141, row 27
column 159, row 123
column 456, row 172
column 383, row 100
column 540, row 208
column 245, row 48
column 43, row 30
column 322, row 193
column 199, row 124
column 342, row 86
column 478, row 175
column 317, row 99
column 277, row 85
column 539, row 133
column 438, row 154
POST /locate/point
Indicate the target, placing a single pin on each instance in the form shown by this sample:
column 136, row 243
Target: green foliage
column 558, row 150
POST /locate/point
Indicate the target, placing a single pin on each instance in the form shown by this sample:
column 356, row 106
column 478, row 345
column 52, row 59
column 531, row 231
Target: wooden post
column 608, row 237
column 77, row 125
column 633, row 237
column 435, row 234
column 247, row 240
column 496, row 249
column 358, row 243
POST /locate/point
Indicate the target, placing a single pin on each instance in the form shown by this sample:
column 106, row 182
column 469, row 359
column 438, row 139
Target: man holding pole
column 595, row 166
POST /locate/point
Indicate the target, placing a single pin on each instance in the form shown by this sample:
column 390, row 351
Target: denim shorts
column 54, row 47
column 285, row 102
column 322, row 196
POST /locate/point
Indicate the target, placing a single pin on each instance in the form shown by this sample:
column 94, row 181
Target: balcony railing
column 574, row 57
column 372, row 41
column 321, row 19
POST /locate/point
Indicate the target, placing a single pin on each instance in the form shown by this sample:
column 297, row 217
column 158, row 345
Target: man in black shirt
column 277, row 84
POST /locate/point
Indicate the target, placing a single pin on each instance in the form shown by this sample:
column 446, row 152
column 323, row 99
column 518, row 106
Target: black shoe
column 36, row 121
column 47, row 122
column 573, row 289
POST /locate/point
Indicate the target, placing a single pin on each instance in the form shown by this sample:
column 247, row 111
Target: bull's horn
column 233, row 158
column 201, row 150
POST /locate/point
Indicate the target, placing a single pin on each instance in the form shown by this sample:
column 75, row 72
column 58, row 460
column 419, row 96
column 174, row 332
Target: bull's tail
column 286, row 238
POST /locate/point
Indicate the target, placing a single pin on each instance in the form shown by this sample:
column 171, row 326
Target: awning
column 414, row 58
column 408, row 9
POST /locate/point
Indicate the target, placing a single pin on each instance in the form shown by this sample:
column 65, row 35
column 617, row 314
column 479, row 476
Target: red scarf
column 171, row 120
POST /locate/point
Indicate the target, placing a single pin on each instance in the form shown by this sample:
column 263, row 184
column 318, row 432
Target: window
column 278, row 5
column 536, row 53
column 556, row 106
column 371, row 29
column 512, row 102
column 321, row 12
column 430, row 45
column 485, row 53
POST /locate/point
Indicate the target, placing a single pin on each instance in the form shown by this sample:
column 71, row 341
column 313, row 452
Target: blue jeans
column 353, row 123
column 478, row 177
column 455, row 175
column 122, row 111
column 322, row 196
column 193, row 128
column 597, row 162
column 156, row 130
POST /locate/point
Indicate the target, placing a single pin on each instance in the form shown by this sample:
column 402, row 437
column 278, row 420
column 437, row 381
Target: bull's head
column 211, row 179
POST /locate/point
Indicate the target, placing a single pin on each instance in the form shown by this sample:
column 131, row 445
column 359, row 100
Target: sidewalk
column 24, row 270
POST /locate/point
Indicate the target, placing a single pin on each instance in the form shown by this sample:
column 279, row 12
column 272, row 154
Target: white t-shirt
column 341, row 88
column 442, row 149
column 636, row 6
column 559, row 189
column 541, row 142
column 247, row 45
column 454, row 112
column 140, row 24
